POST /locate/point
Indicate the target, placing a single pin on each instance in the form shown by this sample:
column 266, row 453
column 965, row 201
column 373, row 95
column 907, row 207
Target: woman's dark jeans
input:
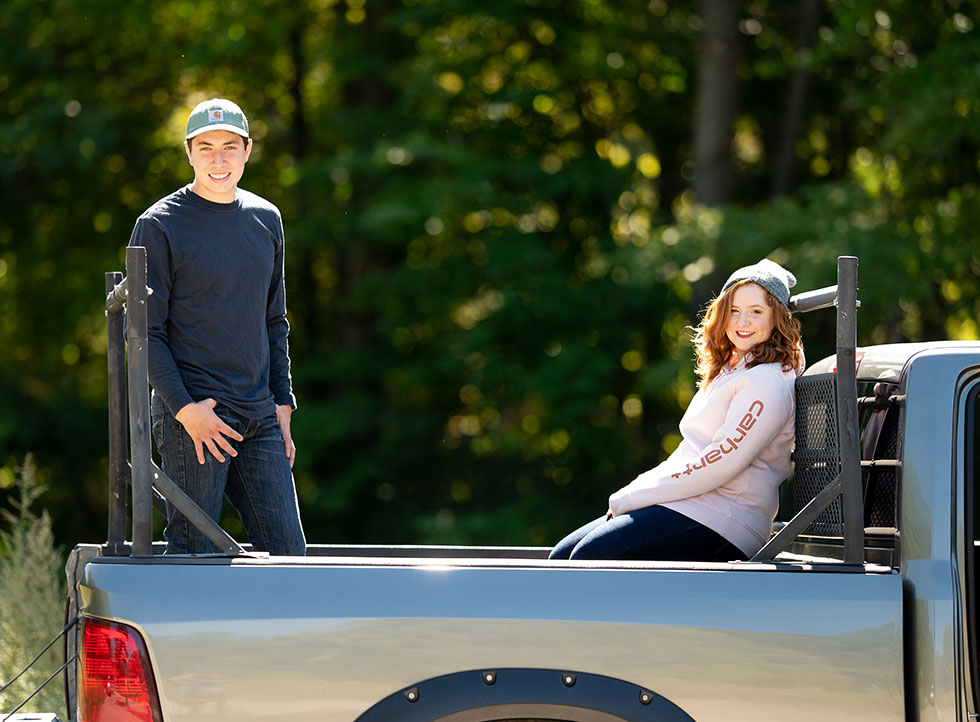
column 653, row 533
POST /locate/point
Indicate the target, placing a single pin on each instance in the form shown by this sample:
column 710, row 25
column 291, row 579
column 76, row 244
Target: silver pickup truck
column 862, row 607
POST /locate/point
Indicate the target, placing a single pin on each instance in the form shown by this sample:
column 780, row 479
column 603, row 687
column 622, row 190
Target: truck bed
column 329, row 636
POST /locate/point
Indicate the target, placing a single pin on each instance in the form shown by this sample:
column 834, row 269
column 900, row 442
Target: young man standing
column 218, row 355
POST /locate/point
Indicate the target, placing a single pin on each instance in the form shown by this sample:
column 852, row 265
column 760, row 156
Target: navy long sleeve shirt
column 217, row 315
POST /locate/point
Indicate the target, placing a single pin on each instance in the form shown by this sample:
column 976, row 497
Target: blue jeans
column 258, row 482
column 653, row 532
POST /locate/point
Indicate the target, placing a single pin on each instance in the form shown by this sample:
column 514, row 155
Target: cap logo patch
column 216, row 115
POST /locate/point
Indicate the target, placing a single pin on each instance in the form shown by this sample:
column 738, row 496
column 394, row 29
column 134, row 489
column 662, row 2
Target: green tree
column 493, row 244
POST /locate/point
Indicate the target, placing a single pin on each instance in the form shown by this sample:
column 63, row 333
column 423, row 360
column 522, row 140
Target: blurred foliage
column 32, row 603
column 493, row 248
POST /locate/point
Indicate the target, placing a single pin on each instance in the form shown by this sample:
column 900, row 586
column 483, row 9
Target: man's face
column 218, row 158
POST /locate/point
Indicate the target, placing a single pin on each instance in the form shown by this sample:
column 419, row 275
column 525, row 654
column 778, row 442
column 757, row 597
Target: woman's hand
column 619, row 502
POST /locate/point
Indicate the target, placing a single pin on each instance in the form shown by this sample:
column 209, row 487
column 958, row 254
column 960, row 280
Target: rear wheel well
column 524, row 695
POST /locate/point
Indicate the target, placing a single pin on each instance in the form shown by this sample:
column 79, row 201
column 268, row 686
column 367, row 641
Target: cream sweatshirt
column 737, row 437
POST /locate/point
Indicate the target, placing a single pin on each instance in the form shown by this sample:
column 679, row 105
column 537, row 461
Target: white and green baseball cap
column 216, row 114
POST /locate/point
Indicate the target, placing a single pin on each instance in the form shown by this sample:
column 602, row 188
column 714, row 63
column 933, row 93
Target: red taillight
column 116, row 684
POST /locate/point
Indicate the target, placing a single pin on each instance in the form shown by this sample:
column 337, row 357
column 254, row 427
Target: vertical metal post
column 847, row 409
column 118, row 459
column 139, row 398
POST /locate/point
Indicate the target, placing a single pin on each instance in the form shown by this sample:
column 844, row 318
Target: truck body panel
column 932, row 481
column 326, row 639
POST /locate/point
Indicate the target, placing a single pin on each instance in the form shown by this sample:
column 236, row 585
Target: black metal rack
column 827, row 427
column 126, row 309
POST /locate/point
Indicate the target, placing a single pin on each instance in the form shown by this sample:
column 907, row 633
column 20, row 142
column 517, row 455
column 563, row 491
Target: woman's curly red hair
column 713, row 350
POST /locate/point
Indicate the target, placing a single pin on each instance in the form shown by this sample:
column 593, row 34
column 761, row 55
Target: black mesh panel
column 881, row 482
column 817, row 454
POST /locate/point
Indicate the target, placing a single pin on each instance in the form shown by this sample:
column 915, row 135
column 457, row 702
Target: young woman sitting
column 715, row 497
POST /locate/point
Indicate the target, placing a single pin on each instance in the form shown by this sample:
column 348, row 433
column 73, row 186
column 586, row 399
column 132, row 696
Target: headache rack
column 827, row 458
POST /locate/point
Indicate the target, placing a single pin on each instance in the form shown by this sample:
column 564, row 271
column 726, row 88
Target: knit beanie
column 771, row 276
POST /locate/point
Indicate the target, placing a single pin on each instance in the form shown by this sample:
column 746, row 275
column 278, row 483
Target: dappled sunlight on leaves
column 494, row 253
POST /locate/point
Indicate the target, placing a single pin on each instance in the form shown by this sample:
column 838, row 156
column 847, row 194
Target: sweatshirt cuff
column 619, row 502
column 286, row 398
column 177, row 400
